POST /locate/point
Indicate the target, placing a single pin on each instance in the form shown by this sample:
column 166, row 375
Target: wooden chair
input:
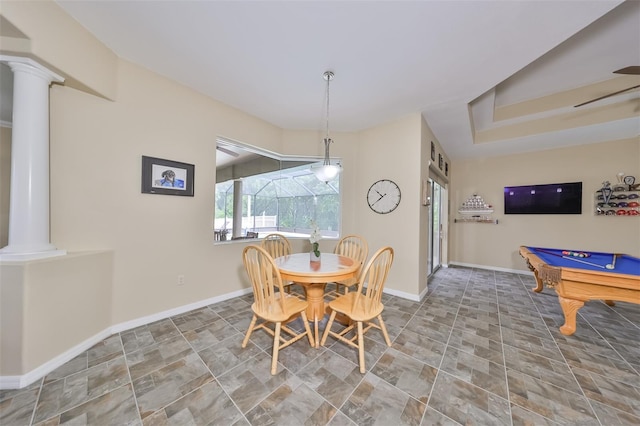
column 355, row 247
column 270, row 306
column 363, row 305
column 278, row 245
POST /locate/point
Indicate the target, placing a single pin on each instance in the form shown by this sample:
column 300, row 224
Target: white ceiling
column 391, row 58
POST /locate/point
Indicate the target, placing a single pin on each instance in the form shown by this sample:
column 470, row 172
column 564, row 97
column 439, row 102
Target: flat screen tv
column 554, row 198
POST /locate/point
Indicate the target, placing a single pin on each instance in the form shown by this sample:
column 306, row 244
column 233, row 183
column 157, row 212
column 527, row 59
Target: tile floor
column 481, row 348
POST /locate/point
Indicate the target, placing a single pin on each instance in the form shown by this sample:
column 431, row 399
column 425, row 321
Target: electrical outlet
column 180, row 279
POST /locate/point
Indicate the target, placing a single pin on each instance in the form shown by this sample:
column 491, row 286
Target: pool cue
column 549, row 252
column 571, row 258
column 582, row 261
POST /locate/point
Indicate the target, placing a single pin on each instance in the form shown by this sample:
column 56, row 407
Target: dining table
column 313, row 276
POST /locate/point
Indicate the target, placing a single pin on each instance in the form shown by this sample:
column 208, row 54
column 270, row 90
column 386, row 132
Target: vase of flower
column 314, row 254
column 314, row 238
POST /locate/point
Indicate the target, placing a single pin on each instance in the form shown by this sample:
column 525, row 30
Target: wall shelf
column 476, row 220
column 621, row 203
column 474, row 209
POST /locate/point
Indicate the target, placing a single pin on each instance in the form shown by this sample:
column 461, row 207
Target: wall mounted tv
column 555, row 198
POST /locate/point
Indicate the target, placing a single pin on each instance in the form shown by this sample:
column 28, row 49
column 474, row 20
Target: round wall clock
column 383, row 196
column 629, row 180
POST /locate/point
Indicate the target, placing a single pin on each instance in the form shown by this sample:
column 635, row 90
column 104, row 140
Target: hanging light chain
column 327, row 171
column 328, row 75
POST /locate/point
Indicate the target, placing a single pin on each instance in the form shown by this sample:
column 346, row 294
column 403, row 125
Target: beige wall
column 51, row 305
column 97, row 205
column 497, row 245
column 96, row 149
column 393, row 151
column 59, row 43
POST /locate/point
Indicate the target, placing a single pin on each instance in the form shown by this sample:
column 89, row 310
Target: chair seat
column 344, row 305
column 292, row 304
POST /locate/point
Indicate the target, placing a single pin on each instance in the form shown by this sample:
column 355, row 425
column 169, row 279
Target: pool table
column 579, row 279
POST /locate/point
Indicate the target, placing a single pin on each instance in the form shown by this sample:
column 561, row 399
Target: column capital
column 18, row 63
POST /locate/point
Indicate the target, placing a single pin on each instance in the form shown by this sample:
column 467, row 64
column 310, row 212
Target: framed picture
column 166, row 177
column 440, row 161
column 446, row 169
column 433, row 151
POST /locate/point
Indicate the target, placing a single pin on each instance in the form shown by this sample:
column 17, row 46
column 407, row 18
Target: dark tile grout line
column 587, row 399
column 429, row 294
column 504, row 359
column 446, row 346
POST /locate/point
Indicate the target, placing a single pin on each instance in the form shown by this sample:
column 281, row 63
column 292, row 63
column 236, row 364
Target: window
column 279, row 194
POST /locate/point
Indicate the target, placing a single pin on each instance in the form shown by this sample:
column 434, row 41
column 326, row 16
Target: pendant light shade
column 327, row 171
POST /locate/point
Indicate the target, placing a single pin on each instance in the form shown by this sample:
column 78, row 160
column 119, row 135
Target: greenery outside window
column 279, row 194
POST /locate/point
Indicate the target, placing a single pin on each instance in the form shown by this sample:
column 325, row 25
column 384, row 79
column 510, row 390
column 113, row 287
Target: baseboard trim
column 19, row 382
column 128, row 325
column 402, row 294
column 490, row 268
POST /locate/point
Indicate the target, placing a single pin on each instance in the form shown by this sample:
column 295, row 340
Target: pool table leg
column 570, row 308
column 539, row 285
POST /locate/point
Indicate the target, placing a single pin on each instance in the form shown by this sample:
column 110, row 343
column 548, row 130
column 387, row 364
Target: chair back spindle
column 355, row 247
column 276, row 245
column 265, row 278
column 372, row 279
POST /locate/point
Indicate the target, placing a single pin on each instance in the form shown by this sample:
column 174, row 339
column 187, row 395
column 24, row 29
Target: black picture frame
column 433, row 151
column 167, row 177
column 440, row 161
column 446, row 169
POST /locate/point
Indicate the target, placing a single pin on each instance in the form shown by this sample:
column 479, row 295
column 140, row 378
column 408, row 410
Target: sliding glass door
column 435, row 228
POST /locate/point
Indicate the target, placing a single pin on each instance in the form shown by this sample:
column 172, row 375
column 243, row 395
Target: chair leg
column 384, row 330
column 276, row 347
column 361, row 347
column 327, row 328
column 307, row 328
column 246, row 337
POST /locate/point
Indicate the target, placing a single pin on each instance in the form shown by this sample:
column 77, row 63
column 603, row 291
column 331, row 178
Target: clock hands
column 381, row 196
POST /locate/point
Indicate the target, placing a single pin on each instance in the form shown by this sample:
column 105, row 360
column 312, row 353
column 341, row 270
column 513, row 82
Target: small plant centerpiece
column 314, row 239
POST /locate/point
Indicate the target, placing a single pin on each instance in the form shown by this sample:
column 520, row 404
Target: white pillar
column 237, row 209
column 29, row 193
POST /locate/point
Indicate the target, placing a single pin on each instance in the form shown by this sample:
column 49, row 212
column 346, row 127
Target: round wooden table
column 314, row 276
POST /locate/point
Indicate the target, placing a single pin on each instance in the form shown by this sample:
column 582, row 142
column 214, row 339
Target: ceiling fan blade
column 227, row 151
column 632, row 70
column 607, row 96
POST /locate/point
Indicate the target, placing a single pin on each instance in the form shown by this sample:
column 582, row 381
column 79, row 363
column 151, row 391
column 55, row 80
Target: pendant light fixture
column 327, row 171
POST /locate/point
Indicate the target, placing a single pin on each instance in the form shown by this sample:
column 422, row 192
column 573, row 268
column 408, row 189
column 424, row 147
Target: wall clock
column 383, row 196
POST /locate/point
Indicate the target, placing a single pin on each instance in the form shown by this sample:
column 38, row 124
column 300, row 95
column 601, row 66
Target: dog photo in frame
column 167, row 177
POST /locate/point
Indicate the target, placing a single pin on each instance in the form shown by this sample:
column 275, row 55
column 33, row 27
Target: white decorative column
column 29, row 197
column 237, row 209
